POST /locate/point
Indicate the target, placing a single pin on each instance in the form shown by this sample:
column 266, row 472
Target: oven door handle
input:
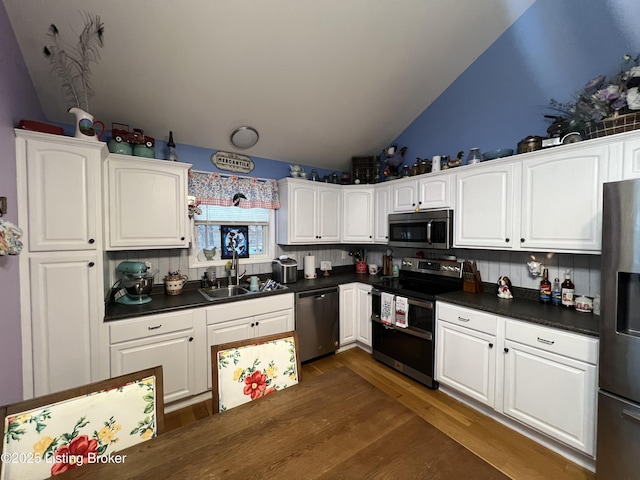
column 408, row 330
column 429, row 232
column 420, row 303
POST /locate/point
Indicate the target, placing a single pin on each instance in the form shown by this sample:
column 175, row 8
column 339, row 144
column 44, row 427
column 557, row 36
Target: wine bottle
column 545, row 287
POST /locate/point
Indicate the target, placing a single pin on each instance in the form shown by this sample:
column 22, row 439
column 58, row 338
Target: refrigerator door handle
column 631, row 416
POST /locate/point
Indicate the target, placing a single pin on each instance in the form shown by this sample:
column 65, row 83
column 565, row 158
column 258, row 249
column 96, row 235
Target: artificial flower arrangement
column 602, row 100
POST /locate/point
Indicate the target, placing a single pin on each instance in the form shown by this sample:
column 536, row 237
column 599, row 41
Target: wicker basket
column 613, row 125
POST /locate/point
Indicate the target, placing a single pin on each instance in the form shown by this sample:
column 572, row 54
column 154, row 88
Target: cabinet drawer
column 248, row 308
column 480, row 321
column 553, row 340
column 149, row 326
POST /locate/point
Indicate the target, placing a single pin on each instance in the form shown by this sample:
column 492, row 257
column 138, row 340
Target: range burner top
column 425, row 278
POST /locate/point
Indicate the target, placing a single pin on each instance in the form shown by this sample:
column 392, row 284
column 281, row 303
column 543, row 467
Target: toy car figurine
column 137, row 137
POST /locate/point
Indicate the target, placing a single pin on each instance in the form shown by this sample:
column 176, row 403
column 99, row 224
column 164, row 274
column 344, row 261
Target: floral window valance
column 229, row 191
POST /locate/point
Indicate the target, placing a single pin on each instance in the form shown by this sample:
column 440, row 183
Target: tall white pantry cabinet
column 64, row 340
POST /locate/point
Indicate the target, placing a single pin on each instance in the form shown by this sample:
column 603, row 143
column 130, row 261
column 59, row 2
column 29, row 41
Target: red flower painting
column 67, row 456
column 255, row 384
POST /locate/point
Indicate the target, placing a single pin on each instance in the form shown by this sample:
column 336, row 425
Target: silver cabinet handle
column 462, row 319
column 546, row 342
column 155, row 328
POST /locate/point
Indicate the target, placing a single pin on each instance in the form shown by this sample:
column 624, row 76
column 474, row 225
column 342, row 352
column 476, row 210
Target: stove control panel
column 449, row 268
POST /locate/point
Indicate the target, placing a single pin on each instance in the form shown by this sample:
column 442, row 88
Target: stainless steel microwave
column 431, row 229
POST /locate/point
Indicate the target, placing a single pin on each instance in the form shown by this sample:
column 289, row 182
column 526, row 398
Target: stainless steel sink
column 224, row 292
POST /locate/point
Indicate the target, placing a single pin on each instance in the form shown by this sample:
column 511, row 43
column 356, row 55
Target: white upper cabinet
column 381, row 210
column 147, row 203
column 310, row 212
column 63, row 191
column 434, row 191
column 483, row 215
column 549, row 200
column 357, row 218
column 404, row 195
column 631, row 159
column 562, row 199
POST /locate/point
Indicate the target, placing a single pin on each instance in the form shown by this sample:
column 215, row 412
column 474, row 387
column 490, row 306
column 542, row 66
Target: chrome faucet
column 234, row 267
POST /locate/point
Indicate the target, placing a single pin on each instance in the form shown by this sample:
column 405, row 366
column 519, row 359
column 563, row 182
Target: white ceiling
column 321, row 81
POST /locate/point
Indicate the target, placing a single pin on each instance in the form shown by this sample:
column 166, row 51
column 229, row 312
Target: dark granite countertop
column 519, row 308
column 191, row 298
column 527, row 310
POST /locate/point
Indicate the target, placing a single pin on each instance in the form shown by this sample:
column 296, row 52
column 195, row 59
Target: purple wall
column 551, row 51
column 17, row 101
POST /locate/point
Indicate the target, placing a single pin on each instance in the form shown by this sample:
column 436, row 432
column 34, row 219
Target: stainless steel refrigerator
column 618, row 451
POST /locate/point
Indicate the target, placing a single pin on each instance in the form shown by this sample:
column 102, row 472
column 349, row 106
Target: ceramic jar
column 173, row 283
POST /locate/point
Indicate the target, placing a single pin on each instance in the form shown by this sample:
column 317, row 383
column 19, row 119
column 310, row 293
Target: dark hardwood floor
column 510, row 452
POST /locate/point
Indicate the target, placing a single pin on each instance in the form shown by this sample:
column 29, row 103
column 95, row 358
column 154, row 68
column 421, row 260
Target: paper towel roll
column 310, row 267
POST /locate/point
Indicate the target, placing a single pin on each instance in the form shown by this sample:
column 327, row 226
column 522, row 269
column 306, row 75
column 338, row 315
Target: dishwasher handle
column 318, row 294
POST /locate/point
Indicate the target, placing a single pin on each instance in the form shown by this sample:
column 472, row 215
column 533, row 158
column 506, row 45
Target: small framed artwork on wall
column 236, row 238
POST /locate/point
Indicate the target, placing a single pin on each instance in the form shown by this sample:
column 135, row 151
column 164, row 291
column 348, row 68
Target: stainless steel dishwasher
column 317, row 322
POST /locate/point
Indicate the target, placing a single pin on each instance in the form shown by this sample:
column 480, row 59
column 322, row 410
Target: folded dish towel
column 402, row 312
column 387, row 308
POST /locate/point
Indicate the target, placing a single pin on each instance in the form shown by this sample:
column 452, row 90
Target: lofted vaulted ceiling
column 321, row 81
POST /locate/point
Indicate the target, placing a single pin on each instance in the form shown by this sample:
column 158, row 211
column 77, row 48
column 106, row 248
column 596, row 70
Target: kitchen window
column 206, row 234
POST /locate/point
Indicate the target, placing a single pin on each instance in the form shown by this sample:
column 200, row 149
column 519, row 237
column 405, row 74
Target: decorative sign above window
column 232, row 162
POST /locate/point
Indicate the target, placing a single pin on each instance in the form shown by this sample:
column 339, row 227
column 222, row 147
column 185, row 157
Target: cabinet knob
column 491, row 345
column 191, row 339
column 420, row 203
column 370, row 236
column 182, row 239
column 506, row 350
column 413, row 204
column 253, row 324
column 91, row 264
column 522, row 240
column 507, row 240
column 92, row 241
column 257, row 323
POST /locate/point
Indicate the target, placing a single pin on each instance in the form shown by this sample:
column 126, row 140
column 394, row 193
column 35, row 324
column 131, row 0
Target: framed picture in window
column 234, row 237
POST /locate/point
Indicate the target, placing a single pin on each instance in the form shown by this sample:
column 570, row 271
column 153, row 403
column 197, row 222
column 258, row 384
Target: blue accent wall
column 551, row 51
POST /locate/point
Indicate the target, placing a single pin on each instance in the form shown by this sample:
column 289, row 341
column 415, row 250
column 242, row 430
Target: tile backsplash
column 585, row 269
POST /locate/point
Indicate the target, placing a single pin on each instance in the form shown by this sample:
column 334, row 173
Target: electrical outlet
column 3, row 205
column 344, row 254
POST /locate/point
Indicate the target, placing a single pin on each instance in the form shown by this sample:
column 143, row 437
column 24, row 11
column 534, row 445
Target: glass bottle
column 556, row 292
column 474, row 156
column 568, row 291
column 545, row 287
column 405, row 171
column 171, row 149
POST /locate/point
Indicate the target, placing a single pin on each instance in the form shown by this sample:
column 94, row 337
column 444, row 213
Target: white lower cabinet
column 355, row 314
column 248, row 319
column 542, row 377
column 173, row 340
column 466, row 352
column 550, row 380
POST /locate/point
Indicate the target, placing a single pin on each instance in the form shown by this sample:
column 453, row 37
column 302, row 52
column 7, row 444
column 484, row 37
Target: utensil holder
column 361, row 267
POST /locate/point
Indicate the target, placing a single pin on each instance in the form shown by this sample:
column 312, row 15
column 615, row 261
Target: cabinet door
column 226, row 332
column 348, row 319
column 435, row 192
column 329, row 214
column 381, row 209
column 466, row 361
column 631, row 159
column 66, row 313
column 404, row 196
column 147, row 204
column 357, row 218
column 63, row 191
column 484, row 207
column 562, row 200
column 363, row 314
column 174, row 351
column 551, row 393
column 272, row 323
column 302, row 217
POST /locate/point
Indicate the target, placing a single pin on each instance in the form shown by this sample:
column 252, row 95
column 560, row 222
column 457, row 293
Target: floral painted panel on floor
column 91, row 428
column 253, row 371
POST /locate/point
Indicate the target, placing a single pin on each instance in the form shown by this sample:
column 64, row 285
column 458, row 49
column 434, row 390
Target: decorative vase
column 85, row 126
